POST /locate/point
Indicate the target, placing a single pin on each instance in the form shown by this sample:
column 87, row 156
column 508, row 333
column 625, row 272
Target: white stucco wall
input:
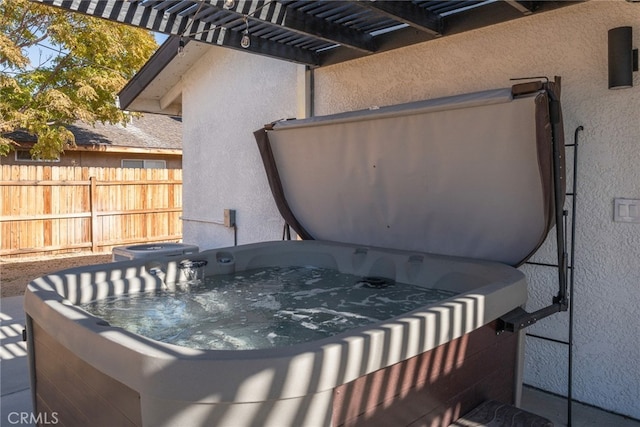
column 572, row 43
column 226, row 97
column 229, row 94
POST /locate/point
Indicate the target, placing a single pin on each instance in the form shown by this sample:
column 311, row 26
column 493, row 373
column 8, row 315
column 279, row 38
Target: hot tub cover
column 468, row 175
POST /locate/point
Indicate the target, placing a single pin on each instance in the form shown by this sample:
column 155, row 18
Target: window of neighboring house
column 25, row 156
column 144, row 164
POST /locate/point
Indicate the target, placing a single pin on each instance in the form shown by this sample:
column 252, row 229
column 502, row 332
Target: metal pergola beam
column 385, row 42
column 525, row 7
column 272, row 49
column 281, row 17
column 302, row 23
column 155, row 19
column 495, row 13
column 313, row 33
column 408, row 13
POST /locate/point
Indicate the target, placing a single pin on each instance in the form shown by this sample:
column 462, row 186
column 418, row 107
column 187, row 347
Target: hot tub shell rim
column 158, row 362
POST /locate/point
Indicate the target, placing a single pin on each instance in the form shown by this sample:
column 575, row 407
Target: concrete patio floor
column 16, row 393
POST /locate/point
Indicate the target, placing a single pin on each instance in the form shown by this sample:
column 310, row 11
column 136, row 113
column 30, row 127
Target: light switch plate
column 626, row 210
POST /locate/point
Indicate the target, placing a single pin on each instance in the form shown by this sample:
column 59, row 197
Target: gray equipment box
column 152, row 250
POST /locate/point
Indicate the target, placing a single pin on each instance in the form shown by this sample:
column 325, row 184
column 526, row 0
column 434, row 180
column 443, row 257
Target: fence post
column 93, row 197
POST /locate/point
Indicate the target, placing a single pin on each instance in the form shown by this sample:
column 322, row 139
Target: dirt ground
column 15, row 274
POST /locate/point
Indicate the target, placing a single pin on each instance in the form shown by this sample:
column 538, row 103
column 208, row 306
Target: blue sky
column 160, row 38
column 38, row 54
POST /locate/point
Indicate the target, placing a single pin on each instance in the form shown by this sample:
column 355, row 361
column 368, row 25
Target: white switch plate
column 626, row 210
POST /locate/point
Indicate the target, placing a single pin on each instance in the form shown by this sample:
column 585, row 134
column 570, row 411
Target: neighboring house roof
column 147, row 131
column 150, row 133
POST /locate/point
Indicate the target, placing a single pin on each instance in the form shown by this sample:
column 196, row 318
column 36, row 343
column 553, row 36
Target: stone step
column 497, row 414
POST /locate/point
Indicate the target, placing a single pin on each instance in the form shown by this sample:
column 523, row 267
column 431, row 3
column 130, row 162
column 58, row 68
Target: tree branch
column 50, row 79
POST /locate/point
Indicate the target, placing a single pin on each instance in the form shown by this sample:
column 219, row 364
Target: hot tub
column 405, row 193
column 435, row 362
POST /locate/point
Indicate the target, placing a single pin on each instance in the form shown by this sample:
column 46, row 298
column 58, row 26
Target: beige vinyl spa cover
column 468, row 175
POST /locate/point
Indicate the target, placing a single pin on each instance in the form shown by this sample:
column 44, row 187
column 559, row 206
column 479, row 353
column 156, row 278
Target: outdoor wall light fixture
column 623, row 59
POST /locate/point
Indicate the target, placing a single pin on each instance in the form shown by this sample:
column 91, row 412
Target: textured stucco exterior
column 228, row 95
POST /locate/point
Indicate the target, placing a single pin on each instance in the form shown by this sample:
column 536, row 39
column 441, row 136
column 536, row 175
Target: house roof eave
column 157, row 87
column 128, row 150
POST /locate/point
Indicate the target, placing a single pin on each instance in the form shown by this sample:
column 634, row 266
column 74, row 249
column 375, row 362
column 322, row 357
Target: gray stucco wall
column 229, row 94
column 226, row 97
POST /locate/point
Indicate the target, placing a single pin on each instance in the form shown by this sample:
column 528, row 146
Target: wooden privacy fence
column 51, row 209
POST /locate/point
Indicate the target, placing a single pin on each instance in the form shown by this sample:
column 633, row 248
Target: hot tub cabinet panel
column 434, row 388
column 424, row 367
column 73, row 392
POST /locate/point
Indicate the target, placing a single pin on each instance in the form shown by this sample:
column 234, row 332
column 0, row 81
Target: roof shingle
column 152, row 131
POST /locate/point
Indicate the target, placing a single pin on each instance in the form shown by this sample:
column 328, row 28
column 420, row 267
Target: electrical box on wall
column 229, row 217
column 626, row 210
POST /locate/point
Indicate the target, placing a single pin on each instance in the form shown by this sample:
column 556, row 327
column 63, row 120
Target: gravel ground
column 15, row 274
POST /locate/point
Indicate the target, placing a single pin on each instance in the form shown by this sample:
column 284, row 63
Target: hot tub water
column 262, row 308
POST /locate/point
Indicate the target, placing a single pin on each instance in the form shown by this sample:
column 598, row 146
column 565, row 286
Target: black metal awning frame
column 313, row 33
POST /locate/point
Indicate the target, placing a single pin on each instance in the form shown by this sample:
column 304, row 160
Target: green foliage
column 87, row 62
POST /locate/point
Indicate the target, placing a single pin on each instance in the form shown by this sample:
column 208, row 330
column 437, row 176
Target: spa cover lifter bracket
column 519, row 318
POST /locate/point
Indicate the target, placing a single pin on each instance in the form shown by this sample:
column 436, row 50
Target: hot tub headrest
column 468, row 175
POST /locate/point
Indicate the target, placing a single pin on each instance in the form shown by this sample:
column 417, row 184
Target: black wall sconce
column 623, row 59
